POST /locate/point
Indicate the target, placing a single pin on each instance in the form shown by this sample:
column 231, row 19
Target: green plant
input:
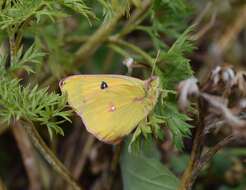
column 42, row 41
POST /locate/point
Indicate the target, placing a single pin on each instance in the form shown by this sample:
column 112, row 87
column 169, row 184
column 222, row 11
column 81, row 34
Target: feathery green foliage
column 176, row 122
column 174, row 63
column 173, row 67
column 23, row 60
column 15, row 13
column 29, row 103
column 32, row 104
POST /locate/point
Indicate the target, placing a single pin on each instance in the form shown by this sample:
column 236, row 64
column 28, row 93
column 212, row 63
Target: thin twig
column 2, row 185
column 134, row 48
column 136, row 17
column 92, row 43
column 70, row 147
column 12, row 49
column 187, row 179
column 197, row 160
column 97, row 38
column 205, row 28
column 50, row 156
column 209, row 154
column 28, row 156
column 114, row 164
column 149, row 60
column 232, row 30
column 202, row 14
column 79, row 166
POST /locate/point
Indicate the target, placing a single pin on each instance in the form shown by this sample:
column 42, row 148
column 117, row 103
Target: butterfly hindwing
column 110, row 105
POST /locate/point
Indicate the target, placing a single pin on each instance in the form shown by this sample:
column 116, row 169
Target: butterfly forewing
column 110, row 105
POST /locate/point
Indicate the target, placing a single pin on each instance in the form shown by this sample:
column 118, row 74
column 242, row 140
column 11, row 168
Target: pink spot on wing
column 112, row 108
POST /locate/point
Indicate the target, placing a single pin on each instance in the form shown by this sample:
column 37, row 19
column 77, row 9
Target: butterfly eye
column 103, row 85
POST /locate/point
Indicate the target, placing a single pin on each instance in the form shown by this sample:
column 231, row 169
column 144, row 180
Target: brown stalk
column 97, row 38
column 2, row 185
column 187, row 179
column 50, row 156
column 232, row 30
column 136, row 18
column 79, row 166
column 28, row 156
column 70, row 147
column 204, row 29
column 198, row 160
column 114, row 164
column 209, row 154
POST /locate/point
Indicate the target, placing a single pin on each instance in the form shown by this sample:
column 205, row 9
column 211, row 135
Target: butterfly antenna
column 154, row 64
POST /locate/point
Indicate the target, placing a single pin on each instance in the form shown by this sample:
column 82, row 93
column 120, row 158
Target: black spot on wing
column 104, row 85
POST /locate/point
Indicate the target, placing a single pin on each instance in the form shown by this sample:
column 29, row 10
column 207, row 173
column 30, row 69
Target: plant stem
column 199, row 160
column 149, row 60
column 79, row 166
column 28, row 156
column 209, row 154
column 136, row 17
column 233, row 29
column 93, row 42
column 114, row 164
column 187, row 179
column 97, row 38
column 2, row 185
column 134, row 48
column 50, row 156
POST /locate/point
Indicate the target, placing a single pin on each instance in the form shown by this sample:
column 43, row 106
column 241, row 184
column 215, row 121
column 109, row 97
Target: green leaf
column 179, row 163
column 176, row 122
column 79, row 6
column 31, row 103
column 168, row 16
column 144, row 171
column 174, row 65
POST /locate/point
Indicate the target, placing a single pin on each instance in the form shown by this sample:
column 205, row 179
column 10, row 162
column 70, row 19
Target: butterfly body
column 110, row 106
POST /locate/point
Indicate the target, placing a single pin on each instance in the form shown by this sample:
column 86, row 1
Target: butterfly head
column 151, row 86
column 152, row 82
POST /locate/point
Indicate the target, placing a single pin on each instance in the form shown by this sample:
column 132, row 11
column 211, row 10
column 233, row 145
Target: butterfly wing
column 110, row 106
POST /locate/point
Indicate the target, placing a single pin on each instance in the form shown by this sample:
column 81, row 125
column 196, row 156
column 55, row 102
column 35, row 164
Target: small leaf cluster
column 23, row 60
column 176, row 122
column 31, row 104
column 172, row 66
column 166, row 113
column 14, row 14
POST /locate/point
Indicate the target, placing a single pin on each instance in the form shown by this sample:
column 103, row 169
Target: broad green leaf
column 143, row 170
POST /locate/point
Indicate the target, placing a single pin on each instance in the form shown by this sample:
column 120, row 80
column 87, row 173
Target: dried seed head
column 129, row 63
column 240, row 82
column 221, row 80
column 220, row 108
column 187, row 88
column 215, row 75
column 224, row 74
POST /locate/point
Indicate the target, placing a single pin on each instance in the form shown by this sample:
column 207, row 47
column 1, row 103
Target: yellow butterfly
column 111, row 106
